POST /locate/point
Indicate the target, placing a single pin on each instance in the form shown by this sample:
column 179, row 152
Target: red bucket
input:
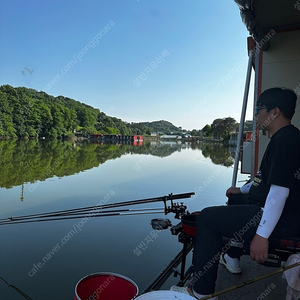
column 105, row 286
column 189, row 223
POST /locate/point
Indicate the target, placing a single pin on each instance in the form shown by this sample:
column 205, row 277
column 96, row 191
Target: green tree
column 206, row 130
column 194, row 132
column 221, row 128
column 217, row 128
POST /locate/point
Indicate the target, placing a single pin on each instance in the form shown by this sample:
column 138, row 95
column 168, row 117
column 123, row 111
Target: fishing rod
column 109, row 213
column 17, row 289
column 66, row 214
column 82, row 213
column 80, row 217
column 170, row 197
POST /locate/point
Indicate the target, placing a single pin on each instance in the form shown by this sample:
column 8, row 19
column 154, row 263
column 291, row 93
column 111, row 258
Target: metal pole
column 242, row 121
column 254, row 137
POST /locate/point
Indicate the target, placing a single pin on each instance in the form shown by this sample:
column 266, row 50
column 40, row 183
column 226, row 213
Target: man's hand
column 233, row 190
column 259, row 248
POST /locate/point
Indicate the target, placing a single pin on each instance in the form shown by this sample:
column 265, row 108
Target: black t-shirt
column 280, row 166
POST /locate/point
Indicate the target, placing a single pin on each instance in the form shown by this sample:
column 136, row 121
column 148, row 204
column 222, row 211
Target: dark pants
column 238, row 222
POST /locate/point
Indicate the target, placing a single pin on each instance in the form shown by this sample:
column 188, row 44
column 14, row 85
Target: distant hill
column 26, row 112
column 162, row 126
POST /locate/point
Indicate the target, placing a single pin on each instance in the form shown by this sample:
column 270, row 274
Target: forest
column 26, row 112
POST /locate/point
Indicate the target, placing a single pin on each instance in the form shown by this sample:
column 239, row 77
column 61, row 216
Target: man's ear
column 276, row 112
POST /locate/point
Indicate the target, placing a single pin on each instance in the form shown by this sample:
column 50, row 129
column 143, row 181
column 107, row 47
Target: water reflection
column 105, row 244
column 218, row 154
column 24, row 161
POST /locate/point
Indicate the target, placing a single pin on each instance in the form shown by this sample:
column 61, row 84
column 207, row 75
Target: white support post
column 254, row 137
column 242, row 121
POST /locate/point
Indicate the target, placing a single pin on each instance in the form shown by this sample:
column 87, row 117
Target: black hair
column 284, row 99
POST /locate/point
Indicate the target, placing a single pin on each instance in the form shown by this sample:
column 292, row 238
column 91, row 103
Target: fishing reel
column 176, row 208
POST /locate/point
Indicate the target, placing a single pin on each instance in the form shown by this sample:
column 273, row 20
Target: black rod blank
column 90, row 210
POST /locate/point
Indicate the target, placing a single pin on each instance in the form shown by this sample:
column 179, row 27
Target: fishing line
column 235, row 287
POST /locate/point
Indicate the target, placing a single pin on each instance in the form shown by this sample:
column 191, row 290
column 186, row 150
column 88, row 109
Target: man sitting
column 273, row 203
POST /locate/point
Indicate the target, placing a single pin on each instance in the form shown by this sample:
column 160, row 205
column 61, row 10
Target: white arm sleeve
column 246, row 188
column 272, row 211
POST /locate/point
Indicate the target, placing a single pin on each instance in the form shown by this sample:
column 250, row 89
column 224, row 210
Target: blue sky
column 190, row 56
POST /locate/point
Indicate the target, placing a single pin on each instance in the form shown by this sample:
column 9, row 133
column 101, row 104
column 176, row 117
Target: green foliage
column 195, row 132
column 160, row 126
column 206, row 130
column 220, row 128
column 28, row 113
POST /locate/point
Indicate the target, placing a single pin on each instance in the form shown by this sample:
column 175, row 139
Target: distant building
column 171, row 137
column 115, row 137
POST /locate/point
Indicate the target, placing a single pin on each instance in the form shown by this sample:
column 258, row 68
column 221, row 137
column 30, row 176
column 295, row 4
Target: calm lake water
column 44, row 176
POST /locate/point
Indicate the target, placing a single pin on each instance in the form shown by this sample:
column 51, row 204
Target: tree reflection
column 218, row 153
column 28, row 161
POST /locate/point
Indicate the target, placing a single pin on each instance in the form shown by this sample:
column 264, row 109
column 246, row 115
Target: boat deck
column 272, row 288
